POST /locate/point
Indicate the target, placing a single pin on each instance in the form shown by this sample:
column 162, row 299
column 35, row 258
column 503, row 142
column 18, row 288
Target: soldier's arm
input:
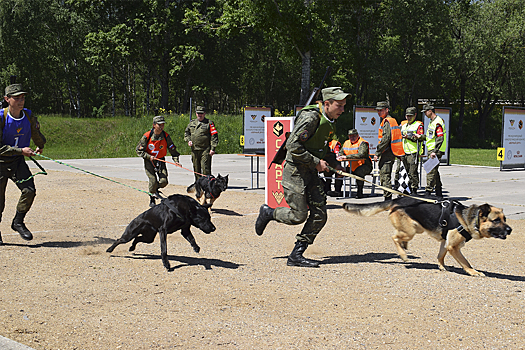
column 37, row 137
column 384, row 143
column 440, row 137
column 214, row 141
column 304, row 129
column 141, row 148
column 187, row 133
column 173, row 149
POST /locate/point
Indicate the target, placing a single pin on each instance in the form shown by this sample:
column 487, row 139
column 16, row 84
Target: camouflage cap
column 200, row 109
column 334, row 93
column 159, row 119
column 411, row 111
column 14, row 90
column 427, row 107
column 382, row 105
column 352, row 132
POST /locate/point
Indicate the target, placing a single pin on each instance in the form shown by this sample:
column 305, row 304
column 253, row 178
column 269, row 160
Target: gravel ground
column 63, row 291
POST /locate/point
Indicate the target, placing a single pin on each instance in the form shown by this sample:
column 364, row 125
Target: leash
column 178, row 165
column 43, row 172
column 342, row 173
column 90, row 173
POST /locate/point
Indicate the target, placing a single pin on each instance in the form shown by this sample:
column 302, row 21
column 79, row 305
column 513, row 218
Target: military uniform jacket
column 7, row 151
column 143, row 144
column 308, row 142
column 202, row 134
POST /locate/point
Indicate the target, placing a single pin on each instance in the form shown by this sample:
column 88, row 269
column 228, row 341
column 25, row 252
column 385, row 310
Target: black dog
column 177, row 212
column 209, row 187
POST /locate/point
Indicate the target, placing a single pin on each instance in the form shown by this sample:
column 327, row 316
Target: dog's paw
column 131, row 248
column 196, row 248
column 475, row 273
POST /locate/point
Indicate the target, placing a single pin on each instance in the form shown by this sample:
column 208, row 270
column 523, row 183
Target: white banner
column 367, row 123
column 513, row 137
column 254, row 128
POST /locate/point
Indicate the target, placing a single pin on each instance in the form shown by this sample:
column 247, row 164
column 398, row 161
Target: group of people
column 200, row 134
column 312, row 148
column 19, row 126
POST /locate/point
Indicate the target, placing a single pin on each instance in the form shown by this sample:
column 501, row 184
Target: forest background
column 100, row 59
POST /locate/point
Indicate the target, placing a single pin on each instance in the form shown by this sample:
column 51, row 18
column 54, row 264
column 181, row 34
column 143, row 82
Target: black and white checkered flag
column 403, row 185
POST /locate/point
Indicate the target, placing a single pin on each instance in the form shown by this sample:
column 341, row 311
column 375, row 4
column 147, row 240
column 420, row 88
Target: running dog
column 209, row 188
column 449, row 222
column 176, row 212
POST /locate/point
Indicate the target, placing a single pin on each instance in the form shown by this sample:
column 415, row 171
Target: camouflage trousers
column 158, row 178
column 385, row 174
column 201, row 162
column 303, row 191
column 15, row 171
column 433, row 177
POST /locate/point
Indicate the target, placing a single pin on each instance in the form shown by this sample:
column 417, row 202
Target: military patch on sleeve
column 304, row 136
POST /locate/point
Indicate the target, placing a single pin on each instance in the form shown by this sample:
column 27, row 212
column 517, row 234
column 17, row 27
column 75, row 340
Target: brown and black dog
column 451, row 223
column 208, row 187
column 177, row 212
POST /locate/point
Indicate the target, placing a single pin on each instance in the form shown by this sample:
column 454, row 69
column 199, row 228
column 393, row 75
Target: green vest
column 317, row 144
column 410, row 146
column 431, row 134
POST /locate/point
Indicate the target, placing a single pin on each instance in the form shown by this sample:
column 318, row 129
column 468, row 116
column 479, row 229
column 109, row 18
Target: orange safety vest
column 353, row 148
column 335, row 147
column 396, row 140
column 157, row 149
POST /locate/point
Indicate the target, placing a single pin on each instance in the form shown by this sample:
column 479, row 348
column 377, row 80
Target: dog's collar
column 462, row 231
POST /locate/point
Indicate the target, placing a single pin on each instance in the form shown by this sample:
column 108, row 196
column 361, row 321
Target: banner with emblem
column 367, row 123
column 254, row 117
column 513, row 138
column 275, row 130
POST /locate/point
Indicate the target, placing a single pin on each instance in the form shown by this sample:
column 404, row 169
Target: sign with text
column 275, row 130
column 254, row 117
column 367, row 122
column 513, row 138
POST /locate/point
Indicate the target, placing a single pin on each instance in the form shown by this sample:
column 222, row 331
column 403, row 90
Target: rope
column 90, row 173
column 342, row 173
column 178, row 165
column 43, row 172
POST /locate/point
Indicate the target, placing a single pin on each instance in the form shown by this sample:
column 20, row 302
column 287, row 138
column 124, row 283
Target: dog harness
column 449, row 221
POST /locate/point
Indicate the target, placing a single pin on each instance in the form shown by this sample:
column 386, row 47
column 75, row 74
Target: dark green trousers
column 304, row 193
column 17, row 170
column 201, row 162
column 157, row 178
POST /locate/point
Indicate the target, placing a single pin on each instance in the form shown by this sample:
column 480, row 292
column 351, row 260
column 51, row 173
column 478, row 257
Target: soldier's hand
column 190, row 143
column 39, row 150
column 28, row 152
column 322, row 166
column 212, row 152
column 375, row 158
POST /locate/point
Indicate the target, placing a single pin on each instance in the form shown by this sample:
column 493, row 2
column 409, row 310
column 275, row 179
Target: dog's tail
column 368, row 209
column 191, row 188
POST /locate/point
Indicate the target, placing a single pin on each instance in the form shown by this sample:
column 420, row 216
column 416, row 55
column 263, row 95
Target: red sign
column 275, row 130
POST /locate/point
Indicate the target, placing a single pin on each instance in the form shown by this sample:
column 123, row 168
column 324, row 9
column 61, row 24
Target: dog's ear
column 484, row 210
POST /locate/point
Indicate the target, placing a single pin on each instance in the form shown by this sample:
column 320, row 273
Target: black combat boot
column 296, row 257
column 327, row 185
column 151, row 201
column 428, row 194
column 439, row 193
column 359, row 194
column 19, row 226
column 265, row 216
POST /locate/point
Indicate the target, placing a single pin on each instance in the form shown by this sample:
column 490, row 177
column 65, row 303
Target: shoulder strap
column 3, row 117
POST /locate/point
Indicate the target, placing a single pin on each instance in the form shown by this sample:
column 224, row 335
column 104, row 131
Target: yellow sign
column 501, row 153
column 242, row 140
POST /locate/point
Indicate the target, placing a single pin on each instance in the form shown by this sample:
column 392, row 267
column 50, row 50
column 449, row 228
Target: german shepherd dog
column 451, row 223
column 209, row 187
column 176, row 212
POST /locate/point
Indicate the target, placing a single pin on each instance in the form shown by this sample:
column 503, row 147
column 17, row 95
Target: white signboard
column 444, row 113
column 254, row 128
column 367, row 123
column 513, row 137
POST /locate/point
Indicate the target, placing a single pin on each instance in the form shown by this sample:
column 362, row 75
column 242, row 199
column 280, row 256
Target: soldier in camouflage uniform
column 436, row 138
column 303, row 189
column 18, row 127
column 201, row 135
column 155, row 144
